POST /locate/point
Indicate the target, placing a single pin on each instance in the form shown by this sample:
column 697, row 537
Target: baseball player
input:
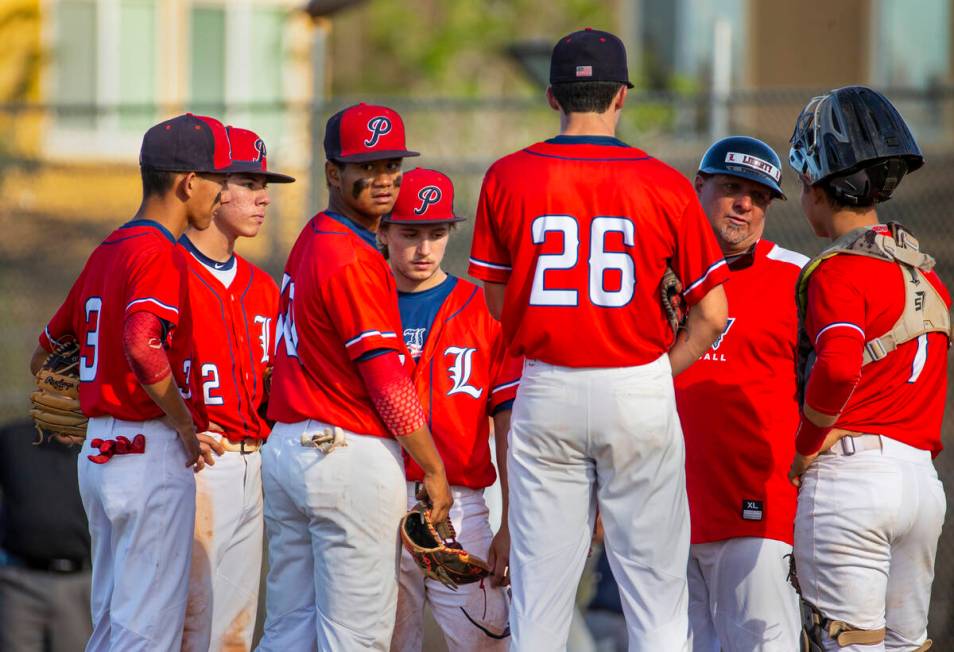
column 345, row 406
column 874, row 333
column 572, row 238
column 463, row 375
column 129, row 312
column 232, row 355
column 737, row 405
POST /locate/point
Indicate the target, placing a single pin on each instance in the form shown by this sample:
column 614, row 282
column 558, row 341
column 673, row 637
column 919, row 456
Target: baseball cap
column 426, row 197
column 249, row 156
column 186, row 143
column 589, row 55
column 365, row 132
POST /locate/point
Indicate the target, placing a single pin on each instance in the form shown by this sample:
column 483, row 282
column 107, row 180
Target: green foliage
column 457, row 47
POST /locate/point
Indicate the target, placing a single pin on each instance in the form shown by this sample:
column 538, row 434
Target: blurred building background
column 80, row 80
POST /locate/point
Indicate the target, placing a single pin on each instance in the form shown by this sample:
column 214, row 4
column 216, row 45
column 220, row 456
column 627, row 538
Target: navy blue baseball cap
column 589, row 55
column 745, row 157
column 186, row 143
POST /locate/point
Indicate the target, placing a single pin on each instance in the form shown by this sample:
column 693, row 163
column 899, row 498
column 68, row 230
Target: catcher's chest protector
column 924, row 308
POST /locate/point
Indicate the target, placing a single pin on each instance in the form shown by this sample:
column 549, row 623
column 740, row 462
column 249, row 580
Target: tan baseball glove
column 437, row 552
column 56, row 407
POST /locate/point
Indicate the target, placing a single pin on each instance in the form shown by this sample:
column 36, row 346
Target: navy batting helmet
column 749, row 158
column 855, row 141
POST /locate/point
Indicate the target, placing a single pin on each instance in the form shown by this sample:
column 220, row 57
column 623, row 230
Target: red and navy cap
column 363, row 133
column 426, row 197
column 186, row 143
column 589, row 55
column 249, row 156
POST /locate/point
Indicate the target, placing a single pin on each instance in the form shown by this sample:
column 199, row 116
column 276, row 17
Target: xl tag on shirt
column 752, row 510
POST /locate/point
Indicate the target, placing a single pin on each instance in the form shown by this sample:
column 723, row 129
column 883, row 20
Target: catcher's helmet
column 856, row 142
column 749, row 158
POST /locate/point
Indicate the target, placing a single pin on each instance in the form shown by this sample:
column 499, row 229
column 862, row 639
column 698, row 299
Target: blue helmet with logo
column 749, row 158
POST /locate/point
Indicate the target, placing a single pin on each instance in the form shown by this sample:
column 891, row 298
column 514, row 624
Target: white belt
column 851, row 445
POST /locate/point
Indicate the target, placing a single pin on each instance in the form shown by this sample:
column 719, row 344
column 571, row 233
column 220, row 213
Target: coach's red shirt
column 233, row 348
column 853, row 299
column 581, row 229
column 136, row 268
column 739, row 408
column 338, row 301
column 464, row 375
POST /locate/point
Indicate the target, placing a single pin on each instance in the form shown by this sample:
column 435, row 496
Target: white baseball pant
column 141, row 511
column 866, row 534
column 582, row 437
column 332, row 525
column 739, row 597
column 226, row 555
column 486, row 604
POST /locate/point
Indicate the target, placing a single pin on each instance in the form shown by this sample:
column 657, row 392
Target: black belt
column 55, row 565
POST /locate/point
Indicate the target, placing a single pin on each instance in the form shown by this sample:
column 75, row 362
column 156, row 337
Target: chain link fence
column 68, row 176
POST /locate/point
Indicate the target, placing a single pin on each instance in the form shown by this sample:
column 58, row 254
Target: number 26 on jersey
column 602, row 264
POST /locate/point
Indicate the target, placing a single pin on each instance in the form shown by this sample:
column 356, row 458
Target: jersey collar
column 745, row 259
column 358, row 230
column 150, row 223
column 586, row 140
column 205, row 260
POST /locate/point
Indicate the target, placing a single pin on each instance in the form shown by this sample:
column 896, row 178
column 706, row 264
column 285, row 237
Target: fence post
column 721, row 80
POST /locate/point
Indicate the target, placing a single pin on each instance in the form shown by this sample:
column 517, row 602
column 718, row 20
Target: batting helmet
column 749, row 158
column 855, row 141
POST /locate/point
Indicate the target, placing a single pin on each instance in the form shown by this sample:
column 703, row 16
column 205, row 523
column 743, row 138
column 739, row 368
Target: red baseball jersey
column 338, row 301
column 739, row 408
column 463, row 376
column 234, row 344
column 136, row 268
column 581, row 229
column 901, row 396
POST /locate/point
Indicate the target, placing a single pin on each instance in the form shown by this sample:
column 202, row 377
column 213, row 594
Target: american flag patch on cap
column 584, row 71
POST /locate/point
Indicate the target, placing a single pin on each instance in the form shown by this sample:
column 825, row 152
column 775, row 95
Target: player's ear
column 620, row 98
column 552, row 100
column 698, row 183
column 184, row 185
column 332, row 174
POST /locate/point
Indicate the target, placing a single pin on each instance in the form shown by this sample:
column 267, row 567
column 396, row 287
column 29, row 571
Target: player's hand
column 499, row 557
column 209, row 444
column 799, row 465
column 438, row 491
column 190, row 442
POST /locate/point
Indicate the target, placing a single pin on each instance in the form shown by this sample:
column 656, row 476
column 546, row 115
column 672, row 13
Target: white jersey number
column 600, row 261
column 285, row 328
column 87, row 369
column 210, row 383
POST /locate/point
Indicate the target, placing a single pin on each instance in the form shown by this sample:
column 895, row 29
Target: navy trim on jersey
column 586, row 140
column 217, row 265
column 151, row 223
column 359, row 230
column 465, row 304
column 419, row 310
column 588, row 158
column 373, row 353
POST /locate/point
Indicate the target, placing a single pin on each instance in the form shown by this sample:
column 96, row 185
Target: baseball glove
column 436, row 550
column 670, row 291
column 56, row 407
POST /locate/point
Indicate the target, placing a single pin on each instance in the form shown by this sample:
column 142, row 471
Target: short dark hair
column 156, row 182
column 839, row 204
column 585, row 97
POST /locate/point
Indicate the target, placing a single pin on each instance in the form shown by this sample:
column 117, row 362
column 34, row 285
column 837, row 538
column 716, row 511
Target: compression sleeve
column 392, row 393
column 142, row 344
column 833, row 378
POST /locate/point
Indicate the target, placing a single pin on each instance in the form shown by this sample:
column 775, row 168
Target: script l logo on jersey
column 263, row 338
column 725, row 331
column 378, row 127
column 414, row 339
column 460, row 371
column 428, row 195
